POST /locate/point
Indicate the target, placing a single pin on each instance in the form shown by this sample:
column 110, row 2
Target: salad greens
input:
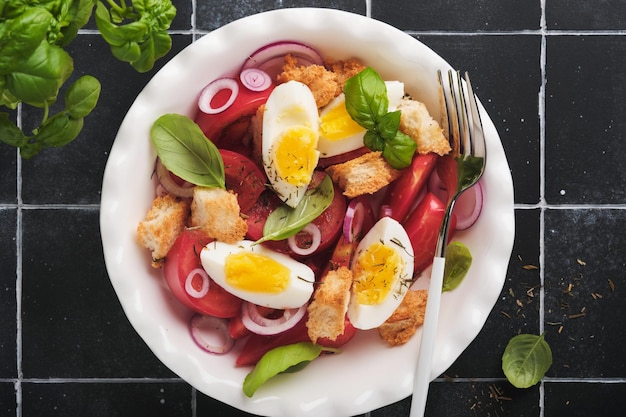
column 186, row 151
column 526, row 359
column 287, row 358
column 367, row 103
column 458, row 262
column 286, row 221
column 34, row 65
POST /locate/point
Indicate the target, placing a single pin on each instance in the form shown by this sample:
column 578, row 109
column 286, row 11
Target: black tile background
column 551, row 75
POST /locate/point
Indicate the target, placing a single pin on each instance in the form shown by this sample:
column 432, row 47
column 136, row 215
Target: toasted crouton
column 330, row 303
column 323, row 83
column 216, row 212
column 404, row 322
column 365, row 174
column 344, row 69
column 416, row 122
column 165, row 220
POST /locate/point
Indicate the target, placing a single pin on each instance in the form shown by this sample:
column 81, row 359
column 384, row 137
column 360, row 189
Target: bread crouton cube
column 416, row 122
column 405, row 320
column 164, row 222
column 216, row 212
column 365, row 174
column 329, row 306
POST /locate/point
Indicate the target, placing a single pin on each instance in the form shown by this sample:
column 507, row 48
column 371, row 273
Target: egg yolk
column 296, row 155
column 374, row 273
column 256, row 273
column 337, row 124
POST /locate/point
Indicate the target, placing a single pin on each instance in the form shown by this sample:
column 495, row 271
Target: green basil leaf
column 373, row 141
column 388, row 124
column 21, row 36
column 526, row 359
column 154, row 47
column 82, row 96
column 128, row 52
column 366, row 98
column 10, row 133
column 186, row 151
column 78, row 15
column 286, row 221
column 399, row 151
column 38, row 80
column 458, row 262
column 59, row 130
column 279, row 360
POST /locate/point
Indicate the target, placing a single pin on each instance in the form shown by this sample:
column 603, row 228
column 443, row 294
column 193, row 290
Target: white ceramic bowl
column 368, row 374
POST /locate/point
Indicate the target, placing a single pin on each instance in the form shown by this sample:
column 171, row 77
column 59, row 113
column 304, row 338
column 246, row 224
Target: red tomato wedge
column 423, row 226
column 402, row 192
column 181, row 260
column 244, row 178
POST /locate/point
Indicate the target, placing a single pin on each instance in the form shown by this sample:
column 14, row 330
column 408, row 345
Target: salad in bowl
column 274, row 204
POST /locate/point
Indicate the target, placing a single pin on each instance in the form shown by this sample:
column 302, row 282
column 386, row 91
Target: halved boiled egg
column 382, row 270
column 290, row 137
column 257, row 274
column 339, row 133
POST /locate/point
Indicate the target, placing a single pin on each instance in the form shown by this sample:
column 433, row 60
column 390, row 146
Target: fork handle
column 427, row 345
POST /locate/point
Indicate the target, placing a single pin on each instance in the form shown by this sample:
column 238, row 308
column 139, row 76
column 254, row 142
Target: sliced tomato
column 423, row 226
column 329, row 222
column 236, row 329
column 256, row 345
column 243, row 177
column 246, row 103
column 181, row 260
column 403, row 191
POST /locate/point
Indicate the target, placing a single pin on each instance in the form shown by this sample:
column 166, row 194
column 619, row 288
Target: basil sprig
column 286, row 221
column 526, row 359
column 288, row 358
column 185, row 150
column 368, row 105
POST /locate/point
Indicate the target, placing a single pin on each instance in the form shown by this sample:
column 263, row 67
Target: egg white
column 299, row 289
column 351, row 141
column 391, row 233
column 290, row 105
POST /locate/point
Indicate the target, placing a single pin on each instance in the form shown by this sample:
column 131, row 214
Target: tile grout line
column 18, row 276
column 542, row 184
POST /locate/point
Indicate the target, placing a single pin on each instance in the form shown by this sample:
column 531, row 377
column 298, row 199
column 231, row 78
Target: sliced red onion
column 211, row 333
column 316, row 239
column 468, row 207
column 209, row 92
column 353, row 222
column 437, row 187
column 165, row 179
column 270, row 58
column 255, row 79
column 257, row 323
column 385, row 211
column 190, row 289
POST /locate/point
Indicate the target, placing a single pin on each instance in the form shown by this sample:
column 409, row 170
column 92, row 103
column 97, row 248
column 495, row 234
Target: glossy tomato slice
column 243, row 177
column 181, row 260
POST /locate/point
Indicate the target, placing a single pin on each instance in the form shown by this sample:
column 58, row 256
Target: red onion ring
column 211, row 333
column 385, row 211
column 189, row 288
column 316, row 239
column 209, row 92
column 468, row 207
column 166, row 180
column 270, row 58
column 256, row 323
column 255, row 79
column 353, row 221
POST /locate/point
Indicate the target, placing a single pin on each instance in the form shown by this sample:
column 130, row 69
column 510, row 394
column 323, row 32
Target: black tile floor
column 551, row 75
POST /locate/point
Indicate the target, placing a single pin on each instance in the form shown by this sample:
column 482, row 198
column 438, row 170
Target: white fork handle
column 427, row 345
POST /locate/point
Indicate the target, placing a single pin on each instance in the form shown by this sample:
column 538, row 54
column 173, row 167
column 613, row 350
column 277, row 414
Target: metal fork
column 462, row 123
